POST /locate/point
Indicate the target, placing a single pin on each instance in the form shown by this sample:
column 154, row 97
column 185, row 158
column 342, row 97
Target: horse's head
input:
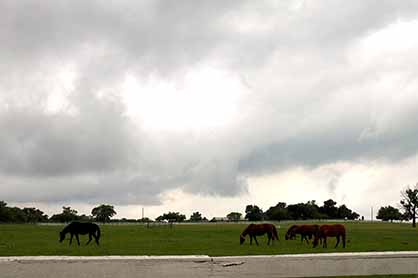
column 62, row 236
column 290, row 235
column 241, row 239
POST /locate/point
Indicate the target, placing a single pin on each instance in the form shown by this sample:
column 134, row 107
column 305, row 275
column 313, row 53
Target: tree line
column 408, row 204
column 301, row 211
column 101, row 213
column 104, row 213
column 281, row 211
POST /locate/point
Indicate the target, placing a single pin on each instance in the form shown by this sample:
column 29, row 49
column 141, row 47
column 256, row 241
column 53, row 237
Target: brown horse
column 254, row 230
column 290, row 234
column 305, row 231
column 336, row 230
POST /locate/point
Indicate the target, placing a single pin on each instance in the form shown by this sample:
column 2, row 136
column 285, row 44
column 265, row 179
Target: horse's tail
column 275, row 234
column 344, row 237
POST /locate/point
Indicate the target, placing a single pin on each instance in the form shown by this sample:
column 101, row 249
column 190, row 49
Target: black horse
column 76, row 228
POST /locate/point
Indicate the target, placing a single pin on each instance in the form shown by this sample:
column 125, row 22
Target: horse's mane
column 67, row 228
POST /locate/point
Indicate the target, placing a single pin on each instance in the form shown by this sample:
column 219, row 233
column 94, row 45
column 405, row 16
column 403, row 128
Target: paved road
column 203, row 266
column 99, row 267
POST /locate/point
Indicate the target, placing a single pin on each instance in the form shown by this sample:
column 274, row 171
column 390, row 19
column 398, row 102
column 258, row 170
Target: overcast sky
column 207, row 105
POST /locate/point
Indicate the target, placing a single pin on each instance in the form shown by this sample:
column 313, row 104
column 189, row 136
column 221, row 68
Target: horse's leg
column 90, row 238
column 324, row 243
column 269, row 236
column 255, row 239
column 303, row 238
column 78, row 240
column 338, row 241
column 306, row 239
column 96, row 238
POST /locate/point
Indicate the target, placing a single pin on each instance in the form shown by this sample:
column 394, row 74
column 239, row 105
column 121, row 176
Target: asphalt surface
column 306, row 265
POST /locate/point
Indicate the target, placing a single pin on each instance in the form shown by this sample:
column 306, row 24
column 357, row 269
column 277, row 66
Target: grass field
column 204, row 239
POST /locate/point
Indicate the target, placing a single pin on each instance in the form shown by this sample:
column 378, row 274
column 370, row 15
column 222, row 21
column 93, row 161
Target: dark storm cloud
column 34, row 143
column 161, row 35
column 150, row 35
column 309, row 104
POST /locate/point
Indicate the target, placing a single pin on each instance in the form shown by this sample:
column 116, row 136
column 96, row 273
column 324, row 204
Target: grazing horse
column 76, row 228
column 258, row 230
column 305, row 231
column 290, row 234
column 336, row 230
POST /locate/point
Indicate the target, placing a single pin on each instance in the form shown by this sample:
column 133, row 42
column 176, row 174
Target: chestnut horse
column 336, row 230
column 290, row 234
column 254, row 230
column 305, row 231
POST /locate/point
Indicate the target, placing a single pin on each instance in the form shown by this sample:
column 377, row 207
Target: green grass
column 205, row 239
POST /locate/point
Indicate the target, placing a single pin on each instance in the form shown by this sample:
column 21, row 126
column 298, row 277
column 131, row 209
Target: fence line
column 302, row 265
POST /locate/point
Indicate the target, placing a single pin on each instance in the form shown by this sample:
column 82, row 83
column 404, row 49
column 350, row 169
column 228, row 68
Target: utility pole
column 371, row 213
column 142, row 213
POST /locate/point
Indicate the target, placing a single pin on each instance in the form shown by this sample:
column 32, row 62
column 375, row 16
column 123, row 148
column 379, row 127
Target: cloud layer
column 121, row 102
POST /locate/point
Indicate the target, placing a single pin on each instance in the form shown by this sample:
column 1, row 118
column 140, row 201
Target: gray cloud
column 309, row 104
column 97, row 138
column 156, row 35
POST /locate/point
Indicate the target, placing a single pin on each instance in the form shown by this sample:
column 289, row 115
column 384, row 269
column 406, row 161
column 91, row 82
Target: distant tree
column 354, row 216
column 409, row 203
column 103, row 213
column 234, row 216
column 34, row 215
column 253, row 213
column 196, row 217
column 56, row 218
column 4, row 212
column 68, row 214
column 329, row 209
column 172, row 217
column 389, row 213
column 278, row 212
column 297, row 211
column 144, row 220
column 345, row 213
column 311, row 210
column 85, row 218
column 16, row 215
column 303, row 211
